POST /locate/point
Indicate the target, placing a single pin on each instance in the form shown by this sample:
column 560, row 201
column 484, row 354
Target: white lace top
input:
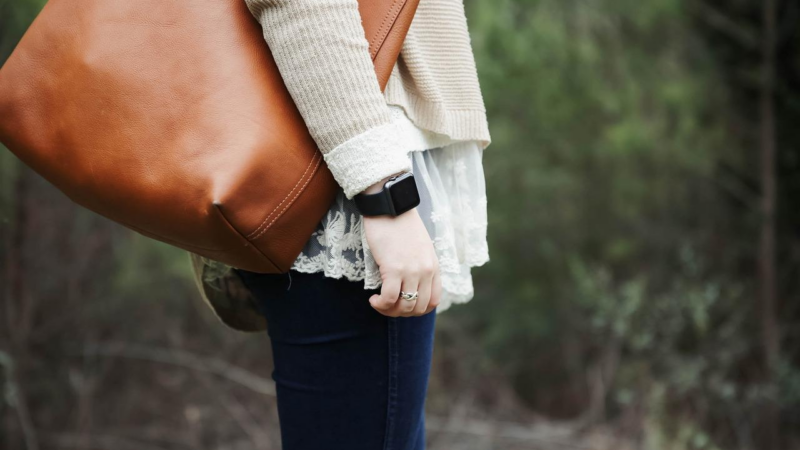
column 450, row 179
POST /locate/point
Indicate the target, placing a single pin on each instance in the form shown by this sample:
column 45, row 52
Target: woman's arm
column 324, row 60
column 323, row 56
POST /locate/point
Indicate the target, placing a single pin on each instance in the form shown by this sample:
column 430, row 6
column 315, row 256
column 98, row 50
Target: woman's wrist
column 379, row 185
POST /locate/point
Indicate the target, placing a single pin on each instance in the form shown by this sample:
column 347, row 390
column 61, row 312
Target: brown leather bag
column 171, row 118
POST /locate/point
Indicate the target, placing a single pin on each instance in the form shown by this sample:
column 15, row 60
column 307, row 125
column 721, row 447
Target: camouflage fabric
column 224, row 292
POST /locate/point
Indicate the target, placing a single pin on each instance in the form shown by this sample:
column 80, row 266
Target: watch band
column 374, row 204
column 398, row 195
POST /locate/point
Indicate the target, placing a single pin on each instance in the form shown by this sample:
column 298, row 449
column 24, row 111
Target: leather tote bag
column 171, row 118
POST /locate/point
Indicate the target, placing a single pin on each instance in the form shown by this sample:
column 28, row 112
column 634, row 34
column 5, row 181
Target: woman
column 350, row 325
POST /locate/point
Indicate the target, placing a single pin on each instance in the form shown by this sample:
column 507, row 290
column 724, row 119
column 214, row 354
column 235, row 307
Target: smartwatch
column 399, row 194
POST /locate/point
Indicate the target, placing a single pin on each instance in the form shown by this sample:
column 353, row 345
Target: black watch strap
column 399, row 194
column 373, row 204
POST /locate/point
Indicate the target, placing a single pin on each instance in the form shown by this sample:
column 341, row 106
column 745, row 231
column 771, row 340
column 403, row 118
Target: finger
column 436, row 292
column 390, row 290
column 405, row 308
column 424, row 295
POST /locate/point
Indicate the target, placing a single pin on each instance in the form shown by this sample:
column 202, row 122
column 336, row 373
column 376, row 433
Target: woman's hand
column 407, row 261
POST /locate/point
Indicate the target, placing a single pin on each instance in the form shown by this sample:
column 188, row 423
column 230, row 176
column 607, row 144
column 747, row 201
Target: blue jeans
column 347, row 377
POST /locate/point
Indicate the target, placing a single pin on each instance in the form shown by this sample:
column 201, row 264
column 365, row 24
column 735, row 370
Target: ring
column 409, row 296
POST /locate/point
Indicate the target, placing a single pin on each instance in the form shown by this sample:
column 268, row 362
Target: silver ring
column 409, row 296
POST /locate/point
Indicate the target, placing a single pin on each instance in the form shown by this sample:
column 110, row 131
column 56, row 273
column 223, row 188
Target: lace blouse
column 450, row 179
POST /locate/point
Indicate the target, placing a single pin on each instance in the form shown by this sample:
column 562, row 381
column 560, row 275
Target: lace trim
column 344, row 253
column 335, row 240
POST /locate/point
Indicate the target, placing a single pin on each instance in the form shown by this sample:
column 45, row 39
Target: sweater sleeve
column 323, row 56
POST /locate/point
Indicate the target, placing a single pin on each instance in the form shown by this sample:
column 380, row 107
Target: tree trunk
column 766, row 259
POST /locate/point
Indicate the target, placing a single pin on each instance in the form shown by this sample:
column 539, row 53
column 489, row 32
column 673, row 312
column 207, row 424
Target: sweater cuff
column 367, row 158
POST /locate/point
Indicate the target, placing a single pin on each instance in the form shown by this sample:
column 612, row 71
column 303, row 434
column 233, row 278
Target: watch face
column 404, row 193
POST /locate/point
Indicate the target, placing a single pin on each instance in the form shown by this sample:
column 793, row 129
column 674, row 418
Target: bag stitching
column 381, row 36
column 281, row 203
column 218, row 207
column 319, row 160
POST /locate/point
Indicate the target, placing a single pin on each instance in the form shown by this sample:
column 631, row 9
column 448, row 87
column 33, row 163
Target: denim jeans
column 347, row 377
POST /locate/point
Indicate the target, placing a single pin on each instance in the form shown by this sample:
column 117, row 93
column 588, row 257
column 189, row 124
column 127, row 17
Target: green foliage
column 15, row 16
column 612, row 227
column 602, row 139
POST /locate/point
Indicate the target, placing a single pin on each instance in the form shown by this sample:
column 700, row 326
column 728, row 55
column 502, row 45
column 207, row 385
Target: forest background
column 643, row 287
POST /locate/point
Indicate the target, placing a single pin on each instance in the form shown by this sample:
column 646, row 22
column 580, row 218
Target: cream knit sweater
column 323, row 56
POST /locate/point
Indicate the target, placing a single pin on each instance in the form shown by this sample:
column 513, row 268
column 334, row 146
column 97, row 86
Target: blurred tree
column 626, row 209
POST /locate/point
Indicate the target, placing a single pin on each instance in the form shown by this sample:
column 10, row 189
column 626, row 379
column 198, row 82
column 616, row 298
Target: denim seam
column 391, row 404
